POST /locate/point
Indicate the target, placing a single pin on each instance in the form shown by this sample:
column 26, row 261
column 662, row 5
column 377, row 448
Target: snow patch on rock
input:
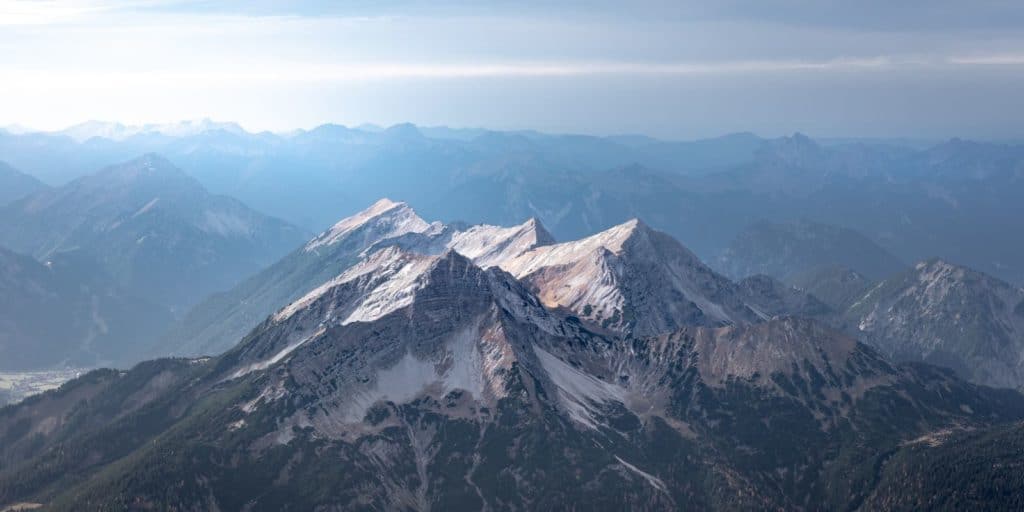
column 280, row 355
column 489, row 246
column 392, row 275
column 651, row 479
column 471, row 361
column 578, row 392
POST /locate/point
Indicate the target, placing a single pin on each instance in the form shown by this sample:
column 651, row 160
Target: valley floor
column 16, row 386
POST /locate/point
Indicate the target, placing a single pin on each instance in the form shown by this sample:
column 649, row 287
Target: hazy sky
column 679, row 69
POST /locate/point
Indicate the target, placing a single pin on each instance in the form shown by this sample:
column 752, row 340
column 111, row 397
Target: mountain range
column 216, row 324
column 557, row 353
column 955, row 200
column 437, row 383
column 117, row 132
column 627, row 279
column 480, row 366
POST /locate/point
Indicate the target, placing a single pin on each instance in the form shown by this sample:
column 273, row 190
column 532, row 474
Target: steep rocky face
column 398, row 326
column 633, row 279
column 950, row 316
column 152, row 227
column 382, row 220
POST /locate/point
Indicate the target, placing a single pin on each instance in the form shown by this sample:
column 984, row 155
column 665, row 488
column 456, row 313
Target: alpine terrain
column 627, row 279
column 948, row 315
column 424, row 380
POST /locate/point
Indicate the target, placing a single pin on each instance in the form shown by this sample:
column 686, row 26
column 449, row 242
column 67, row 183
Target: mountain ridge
column 15, row 184
column 219, row 322
column 150, row 225
column 949, row 315
column 432, row 400
column 594, row 277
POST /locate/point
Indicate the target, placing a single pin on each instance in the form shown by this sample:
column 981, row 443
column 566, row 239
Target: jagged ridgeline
column 451, row 368
column 629, row 278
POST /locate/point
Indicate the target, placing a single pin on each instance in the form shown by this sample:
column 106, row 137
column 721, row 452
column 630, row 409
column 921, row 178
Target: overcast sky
column 678, row 69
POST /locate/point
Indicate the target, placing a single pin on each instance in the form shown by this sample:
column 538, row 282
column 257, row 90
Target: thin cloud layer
column 143, row 60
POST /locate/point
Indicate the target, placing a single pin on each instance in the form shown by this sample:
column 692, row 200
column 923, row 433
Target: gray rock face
column 950, row 316
column 397, row 327
column 440, row 334
column 404, row 328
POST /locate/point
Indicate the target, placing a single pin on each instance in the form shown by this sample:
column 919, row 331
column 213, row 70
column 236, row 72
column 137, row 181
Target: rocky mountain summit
column 631, row 278
column 948, row 315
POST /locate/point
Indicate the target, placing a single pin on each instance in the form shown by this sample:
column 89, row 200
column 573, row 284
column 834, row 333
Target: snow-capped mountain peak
column 630, row 278
column 490, row 245
column 384, row 219
column 442, row 324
